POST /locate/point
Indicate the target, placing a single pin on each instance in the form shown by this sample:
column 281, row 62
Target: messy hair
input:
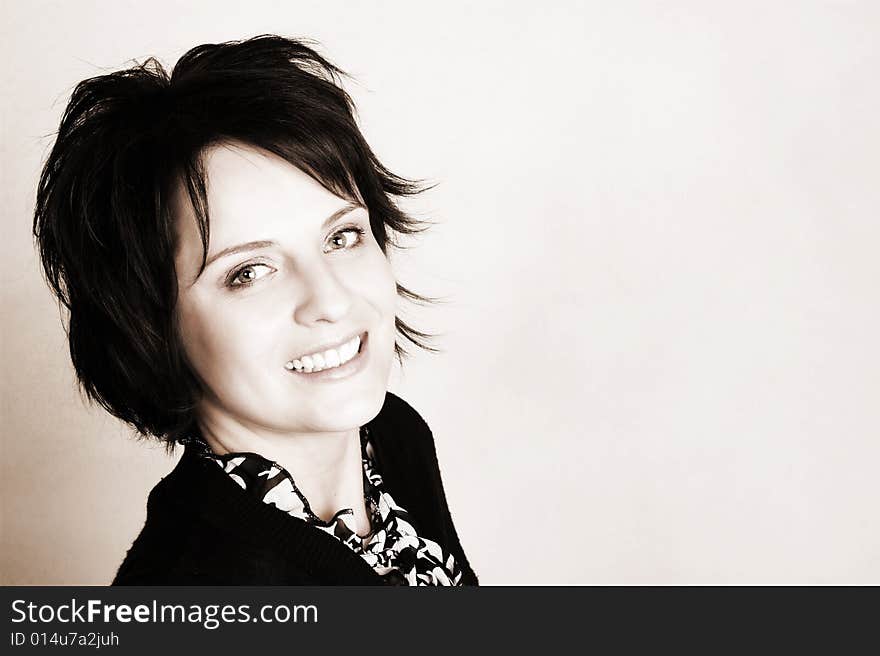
column 104, row 225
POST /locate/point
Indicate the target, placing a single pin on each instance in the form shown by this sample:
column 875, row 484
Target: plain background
column 657, row 237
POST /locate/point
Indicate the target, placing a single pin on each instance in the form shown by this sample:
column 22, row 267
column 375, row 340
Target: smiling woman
column 219, row 236
column 296, row 275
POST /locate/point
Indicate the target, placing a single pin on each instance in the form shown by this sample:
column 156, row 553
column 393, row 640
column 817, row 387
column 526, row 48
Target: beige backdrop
column 658, row 238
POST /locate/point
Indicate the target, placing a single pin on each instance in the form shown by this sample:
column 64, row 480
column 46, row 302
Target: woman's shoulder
column 410, row 469
column 401, row 422
column 396, row 407
column 202, row 529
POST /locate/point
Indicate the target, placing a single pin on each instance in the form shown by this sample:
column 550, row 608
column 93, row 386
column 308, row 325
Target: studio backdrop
column 654, row 241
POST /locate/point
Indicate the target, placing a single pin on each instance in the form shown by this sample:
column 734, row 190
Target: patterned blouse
column 392, row 548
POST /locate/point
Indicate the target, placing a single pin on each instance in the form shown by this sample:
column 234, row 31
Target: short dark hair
column 103, row 221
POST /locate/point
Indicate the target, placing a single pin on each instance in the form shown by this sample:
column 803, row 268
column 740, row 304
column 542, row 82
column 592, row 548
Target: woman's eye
column 248, row 274
column 344, row 239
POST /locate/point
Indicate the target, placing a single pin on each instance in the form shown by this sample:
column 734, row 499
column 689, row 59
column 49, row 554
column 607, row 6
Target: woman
column 219, row 238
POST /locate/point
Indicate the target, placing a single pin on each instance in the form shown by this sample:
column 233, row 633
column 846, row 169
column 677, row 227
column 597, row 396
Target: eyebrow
column 254, row 245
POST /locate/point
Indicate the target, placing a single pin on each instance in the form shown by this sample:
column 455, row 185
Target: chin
column 350, row 413
column 367, row 407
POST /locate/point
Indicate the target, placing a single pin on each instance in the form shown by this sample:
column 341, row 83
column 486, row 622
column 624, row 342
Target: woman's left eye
column 344, row 239
column 247, row 274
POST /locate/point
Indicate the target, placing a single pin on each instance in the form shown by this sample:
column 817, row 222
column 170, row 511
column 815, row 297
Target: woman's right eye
column 247, row 274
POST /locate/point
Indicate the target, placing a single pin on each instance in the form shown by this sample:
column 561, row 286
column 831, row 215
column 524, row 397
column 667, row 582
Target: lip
column 350, row 368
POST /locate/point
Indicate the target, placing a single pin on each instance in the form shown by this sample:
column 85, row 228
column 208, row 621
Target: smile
column 330, row 359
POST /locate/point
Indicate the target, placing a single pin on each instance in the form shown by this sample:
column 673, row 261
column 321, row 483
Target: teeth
column 348, row 350
column 328, row 359
column 331, row 358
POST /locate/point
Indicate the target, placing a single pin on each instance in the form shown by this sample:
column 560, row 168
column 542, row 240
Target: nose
column 322, row 295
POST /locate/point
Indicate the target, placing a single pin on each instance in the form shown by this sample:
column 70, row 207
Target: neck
column 326, row 467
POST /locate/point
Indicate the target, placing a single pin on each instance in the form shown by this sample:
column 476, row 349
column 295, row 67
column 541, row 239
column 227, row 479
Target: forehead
column 245, row 181
column 252, row 195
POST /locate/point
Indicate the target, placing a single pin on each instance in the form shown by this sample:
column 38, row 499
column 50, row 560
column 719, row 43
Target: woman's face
column 293, row 271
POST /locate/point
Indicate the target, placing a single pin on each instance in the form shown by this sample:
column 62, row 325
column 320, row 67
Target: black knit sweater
column 202, row 529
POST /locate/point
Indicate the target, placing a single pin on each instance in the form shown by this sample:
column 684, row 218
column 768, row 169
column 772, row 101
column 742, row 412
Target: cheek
column 377, row 285
column 216, row 338
column 386, row 299
column 199, row 338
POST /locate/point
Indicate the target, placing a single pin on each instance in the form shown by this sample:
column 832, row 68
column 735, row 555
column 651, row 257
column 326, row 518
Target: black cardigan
column 202, row 529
